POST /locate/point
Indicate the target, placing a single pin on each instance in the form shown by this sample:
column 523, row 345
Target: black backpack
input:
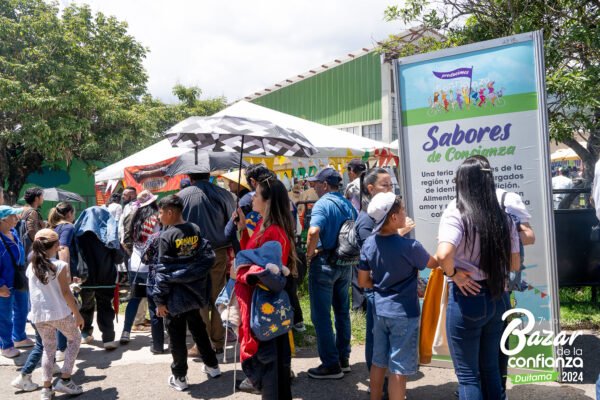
column 347, row 250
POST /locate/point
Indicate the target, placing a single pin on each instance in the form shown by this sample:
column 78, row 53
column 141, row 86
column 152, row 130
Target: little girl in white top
column 53, row 307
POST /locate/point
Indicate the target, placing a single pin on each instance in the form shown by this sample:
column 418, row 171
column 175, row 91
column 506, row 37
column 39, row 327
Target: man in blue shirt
column 328, row 284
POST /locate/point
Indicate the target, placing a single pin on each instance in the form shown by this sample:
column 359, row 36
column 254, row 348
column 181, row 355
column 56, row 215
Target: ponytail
column 361, row 189
column 59, row 213
column 369, row 178
column 42, row 266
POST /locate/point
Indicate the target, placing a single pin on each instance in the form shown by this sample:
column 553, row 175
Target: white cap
column 379, row 207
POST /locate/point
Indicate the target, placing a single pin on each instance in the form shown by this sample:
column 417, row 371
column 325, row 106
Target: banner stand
column 486, row 98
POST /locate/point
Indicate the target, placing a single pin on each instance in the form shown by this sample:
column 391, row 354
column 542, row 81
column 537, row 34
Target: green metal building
column 355, row 94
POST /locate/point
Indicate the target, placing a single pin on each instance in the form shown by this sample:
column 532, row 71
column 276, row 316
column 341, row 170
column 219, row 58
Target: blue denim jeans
column 157, row 327
column 328, row 287
column 370, row 299
column 598, row 388
column 13, row 317
column 133, row 303
column 474, row 327
column 36, row 354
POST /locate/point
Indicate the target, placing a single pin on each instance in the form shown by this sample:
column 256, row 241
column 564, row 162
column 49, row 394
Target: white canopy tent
column 331, row 142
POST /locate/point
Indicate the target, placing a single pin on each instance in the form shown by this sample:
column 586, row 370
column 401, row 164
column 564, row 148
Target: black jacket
column 97, row 264
column 183, row 287
column 210, row 207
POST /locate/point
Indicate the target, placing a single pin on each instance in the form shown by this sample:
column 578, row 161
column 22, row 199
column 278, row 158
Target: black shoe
column 155, row 351
column 322, row 372
column 345, row 365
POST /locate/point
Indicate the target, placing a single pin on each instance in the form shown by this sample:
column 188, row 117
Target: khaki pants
column 140, row 316
column 210, row 315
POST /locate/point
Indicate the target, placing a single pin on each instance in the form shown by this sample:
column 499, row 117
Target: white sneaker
column 60, row 356
column 10, row 352
column 69, row 387
column 179, row 384
column 23, row 382
column 247, row 386
column 47, row 394
column 212, row 372
column 87, row 339
column 24, row 343
column 111, row 345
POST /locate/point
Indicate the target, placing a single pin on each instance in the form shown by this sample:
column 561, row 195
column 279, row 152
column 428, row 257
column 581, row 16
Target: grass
column 511, row 103
column 358, row 323
column 577, row 311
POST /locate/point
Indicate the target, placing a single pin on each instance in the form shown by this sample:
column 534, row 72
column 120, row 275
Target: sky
column 234, row 48
column 510, row 68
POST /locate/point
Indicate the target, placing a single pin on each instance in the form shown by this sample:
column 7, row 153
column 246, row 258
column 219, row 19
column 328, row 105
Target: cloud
column 234, row 48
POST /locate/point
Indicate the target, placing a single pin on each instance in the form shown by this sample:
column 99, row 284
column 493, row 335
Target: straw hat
column 233, row 176
column 146, row 197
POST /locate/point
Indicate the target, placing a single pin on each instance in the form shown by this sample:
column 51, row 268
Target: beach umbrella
column 236, row 134
column 207, row 162
column 56, row 194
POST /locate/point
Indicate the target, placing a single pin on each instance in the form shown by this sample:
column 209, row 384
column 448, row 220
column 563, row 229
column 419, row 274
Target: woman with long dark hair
column 478, row 247
column 145, row 223
column 267, row 364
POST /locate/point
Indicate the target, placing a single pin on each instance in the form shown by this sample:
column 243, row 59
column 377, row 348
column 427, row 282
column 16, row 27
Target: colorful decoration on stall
column 153, row 177
column 385, row 157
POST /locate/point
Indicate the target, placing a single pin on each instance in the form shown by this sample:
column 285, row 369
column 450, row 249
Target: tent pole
column 196, row 154
column 240, row 173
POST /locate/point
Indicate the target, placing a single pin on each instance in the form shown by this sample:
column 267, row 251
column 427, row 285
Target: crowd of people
column 185, row 251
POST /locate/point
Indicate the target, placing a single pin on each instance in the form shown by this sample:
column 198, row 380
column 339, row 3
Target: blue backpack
column 271, row 314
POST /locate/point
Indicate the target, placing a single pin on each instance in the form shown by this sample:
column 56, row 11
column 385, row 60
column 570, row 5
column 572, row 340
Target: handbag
column 21, row 283
column 139, row 289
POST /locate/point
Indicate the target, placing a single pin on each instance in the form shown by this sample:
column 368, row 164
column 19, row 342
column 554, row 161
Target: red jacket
column 243, row 291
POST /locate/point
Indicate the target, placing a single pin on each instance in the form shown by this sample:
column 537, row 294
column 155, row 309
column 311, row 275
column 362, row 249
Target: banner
column 153, row 177
column 490, row 102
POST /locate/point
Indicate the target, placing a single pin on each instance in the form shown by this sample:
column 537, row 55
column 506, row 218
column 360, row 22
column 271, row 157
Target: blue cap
column 5, row 211
column 329, row 175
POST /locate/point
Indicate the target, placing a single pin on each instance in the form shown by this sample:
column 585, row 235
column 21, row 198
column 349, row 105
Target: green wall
column 348, row 93
column 78, row 178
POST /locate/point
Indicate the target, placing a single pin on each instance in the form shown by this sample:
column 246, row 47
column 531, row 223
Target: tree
column 73, row 85
column 572, row 53
column 69, row 87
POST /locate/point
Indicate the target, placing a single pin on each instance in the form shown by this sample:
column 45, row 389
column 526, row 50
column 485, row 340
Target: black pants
column 358, row 298
column 269, row 369
column 176, row 326
column 101, row 301
column 291, row 287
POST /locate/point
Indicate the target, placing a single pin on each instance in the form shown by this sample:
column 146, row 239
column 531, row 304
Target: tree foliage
column 571, row 30
column 73, row 85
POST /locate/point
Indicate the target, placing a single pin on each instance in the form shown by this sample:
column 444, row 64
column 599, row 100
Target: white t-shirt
column 115, row 209
column 560, row 182
column 596, row 189
column 47, row 301
column 514, row 205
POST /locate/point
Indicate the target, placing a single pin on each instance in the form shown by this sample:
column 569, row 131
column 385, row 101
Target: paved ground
column 132, row 372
